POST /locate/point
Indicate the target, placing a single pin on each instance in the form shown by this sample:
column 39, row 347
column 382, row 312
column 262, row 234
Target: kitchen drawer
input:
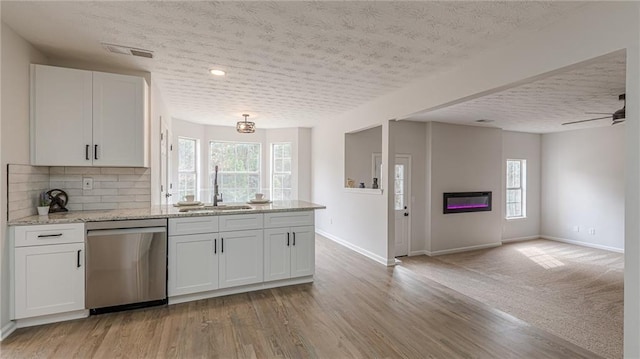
column 288, row 219
column 38, row 235
column 193, row 225
column 240, row 222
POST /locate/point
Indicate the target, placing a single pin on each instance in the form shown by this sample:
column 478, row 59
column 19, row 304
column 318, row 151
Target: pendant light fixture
column 246, row 126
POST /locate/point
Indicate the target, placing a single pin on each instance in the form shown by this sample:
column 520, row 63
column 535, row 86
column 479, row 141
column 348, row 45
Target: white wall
column 465, row 159
column 583, row 186
column 410, row 139
column 300, row 146
column 17, row 54
column 359, row 149
column 523, row 146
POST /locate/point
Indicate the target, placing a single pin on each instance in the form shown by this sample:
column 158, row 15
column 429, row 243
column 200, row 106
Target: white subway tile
column 56, row 170
column 135, row 178
column 100, row 192
column 143, row 171
column 85, row 199
column 117, row 184
column 131, row 191
column 96, row 206
column 103, row 178
column 82, row 171
column 116, row 199
column 143, row 198
column 142, row 185
column 117, row 171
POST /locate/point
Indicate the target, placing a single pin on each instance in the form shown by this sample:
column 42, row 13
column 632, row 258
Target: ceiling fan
column 616, row 117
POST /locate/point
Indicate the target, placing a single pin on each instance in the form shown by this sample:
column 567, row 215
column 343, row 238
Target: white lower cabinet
column 49, row 270
column 218, row 255
column 289, row 252
column 240, row 258
column 193, row 263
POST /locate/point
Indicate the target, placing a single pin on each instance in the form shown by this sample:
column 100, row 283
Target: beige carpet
column 571, row 291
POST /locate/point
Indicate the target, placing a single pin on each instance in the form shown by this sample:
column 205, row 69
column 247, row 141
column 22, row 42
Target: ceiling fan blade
column 591, row 119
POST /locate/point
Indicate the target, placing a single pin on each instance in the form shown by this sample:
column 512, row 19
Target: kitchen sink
column 216, row 208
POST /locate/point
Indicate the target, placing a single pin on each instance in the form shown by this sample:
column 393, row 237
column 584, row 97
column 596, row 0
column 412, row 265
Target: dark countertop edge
column 95, row 216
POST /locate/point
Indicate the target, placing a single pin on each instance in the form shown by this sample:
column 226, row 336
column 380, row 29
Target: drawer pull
column 287, row 239
column 49, row 235
column 294, row 238
column 222, row 245
column 215, row 245
column 79, row 250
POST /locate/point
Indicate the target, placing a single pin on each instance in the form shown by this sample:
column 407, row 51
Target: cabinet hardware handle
column 95, row 152
column 86, row 153
column 49, row 235
column 215, row 245
column 287, row 239
column 222, row 245
column 294, row 238
column 79, row 250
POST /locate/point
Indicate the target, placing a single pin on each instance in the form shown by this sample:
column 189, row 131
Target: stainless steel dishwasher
column 126, row 264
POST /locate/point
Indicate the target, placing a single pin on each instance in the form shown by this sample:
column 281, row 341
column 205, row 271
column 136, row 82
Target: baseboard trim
column 520, row 239
column 183, row 298
column 583, row 244
column 52, row 318
column 464, row 249
column 421, row 252
column 364, row 252
column 7, row 329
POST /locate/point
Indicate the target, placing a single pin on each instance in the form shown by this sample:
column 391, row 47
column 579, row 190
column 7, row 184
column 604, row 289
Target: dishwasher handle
column 112, row 232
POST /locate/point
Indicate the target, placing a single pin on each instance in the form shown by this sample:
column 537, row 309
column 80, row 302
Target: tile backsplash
column 113, row 187
column 24, row 186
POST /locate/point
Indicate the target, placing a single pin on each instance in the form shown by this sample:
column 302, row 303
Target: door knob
column 406, row 214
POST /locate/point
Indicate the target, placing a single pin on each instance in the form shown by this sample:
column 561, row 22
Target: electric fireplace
column 459, row 202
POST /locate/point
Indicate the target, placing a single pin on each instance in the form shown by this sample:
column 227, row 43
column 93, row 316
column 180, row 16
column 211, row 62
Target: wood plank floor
column 355, row 309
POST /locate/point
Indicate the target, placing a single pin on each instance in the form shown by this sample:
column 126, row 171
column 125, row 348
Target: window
column 187, row 167
column 516, row 190
column 238, row 169
column 281, row 171
column 400, row 186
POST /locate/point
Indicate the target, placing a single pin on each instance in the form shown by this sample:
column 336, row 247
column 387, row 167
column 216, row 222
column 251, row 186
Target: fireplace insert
column 459, row 202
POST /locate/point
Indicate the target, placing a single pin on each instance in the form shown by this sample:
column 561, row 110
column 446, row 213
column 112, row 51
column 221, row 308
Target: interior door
column 401, row 204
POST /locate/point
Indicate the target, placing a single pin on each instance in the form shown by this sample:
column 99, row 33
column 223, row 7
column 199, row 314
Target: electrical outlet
column 576, row 228
column 87, row 183
column 592, row 231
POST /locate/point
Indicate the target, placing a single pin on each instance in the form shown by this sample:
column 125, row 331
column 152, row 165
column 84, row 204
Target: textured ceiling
column 542, row 106
column 288, row 63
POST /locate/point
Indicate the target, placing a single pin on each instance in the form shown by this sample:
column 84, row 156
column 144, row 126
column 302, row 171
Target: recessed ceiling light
column 217, row 72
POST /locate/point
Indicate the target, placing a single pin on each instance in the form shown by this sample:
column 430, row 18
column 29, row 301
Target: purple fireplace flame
column 459, row 202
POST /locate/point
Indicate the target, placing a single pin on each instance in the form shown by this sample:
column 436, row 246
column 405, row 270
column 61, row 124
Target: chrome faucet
column 217, row 197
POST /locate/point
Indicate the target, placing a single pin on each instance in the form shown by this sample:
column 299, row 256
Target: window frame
column 522, row 187
column 274, row 173
column 220, row 171
column 196, row 167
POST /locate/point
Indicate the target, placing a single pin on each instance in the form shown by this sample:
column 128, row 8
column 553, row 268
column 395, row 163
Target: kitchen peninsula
column 210, row 252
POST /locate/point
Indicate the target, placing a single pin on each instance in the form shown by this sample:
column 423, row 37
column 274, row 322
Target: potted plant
column 43, row 204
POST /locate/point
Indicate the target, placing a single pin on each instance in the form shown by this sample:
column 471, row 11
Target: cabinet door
column 49, row 279
column 193, row 264
column 241, row 258
column 303, row 252
column 61, row 116
column 277, row 254
column 119, row 120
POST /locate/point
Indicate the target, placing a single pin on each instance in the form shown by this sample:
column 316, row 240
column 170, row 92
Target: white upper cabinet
column 85, row 118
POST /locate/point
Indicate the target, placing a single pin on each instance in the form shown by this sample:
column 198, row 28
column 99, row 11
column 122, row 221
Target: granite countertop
column 168, row 211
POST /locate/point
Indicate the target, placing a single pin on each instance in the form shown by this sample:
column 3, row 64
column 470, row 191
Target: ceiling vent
column 124, row 50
